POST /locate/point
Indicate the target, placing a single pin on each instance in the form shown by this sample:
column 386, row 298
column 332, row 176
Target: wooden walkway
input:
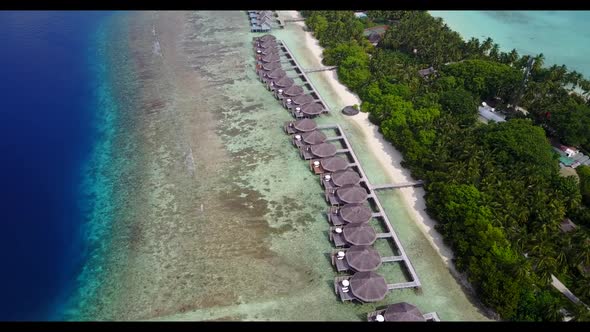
column 401, row 285
column 405, row 259
column 315, row 70
column 306, row 79
column 391, row 259
column 294, row 20
column 398, row 185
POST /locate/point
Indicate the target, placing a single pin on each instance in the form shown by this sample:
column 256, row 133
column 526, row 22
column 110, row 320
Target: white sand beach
column 385, row 152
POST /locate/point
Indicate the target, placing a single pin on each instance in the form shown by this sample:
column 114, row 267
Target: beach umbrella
column 403, row 311
column 334, row 164
column 346, row 177
column 368, row 286
column 305, row 125
column 355, row 213
column 349, row 110
column 323, row 150
column 363, row 258
column 314, row 137
column 360, row 235
column 311, row 108
column 352, row 193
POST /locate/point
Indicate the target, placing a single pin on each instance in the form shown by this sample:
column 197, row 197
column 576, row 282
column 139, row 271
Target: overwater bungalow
column 275, row 75
column 399, row 312
column 309, row 138
column 322, row 150
column 362, row 287
column 348, row 194
column 340, row 178
column 265, row 44
column 349, row 214
column 283, row 83
column 331, row 164
column 261, row 27
column 308, row 110
column 265, row 38
column 267, row 67
column 271, row 58
column 291, row 103
column 353, row 234
column 293, row 91
column 263, row 52
column 300, row 126
column 356, row 259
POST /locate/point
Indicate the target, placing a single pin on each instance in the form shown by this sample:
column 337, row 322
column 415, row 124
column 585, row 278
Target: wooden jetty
column 301, row 73
column 415, row 283
column 398, row 185
column 315, row 70
column 294, row 20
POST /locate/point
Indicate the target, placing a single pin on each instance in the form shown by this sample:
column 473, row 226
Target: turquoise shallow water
column 562, row 36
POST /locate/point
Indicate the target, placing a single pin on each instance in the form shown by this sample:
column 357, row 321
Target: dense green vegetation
column 495, row 189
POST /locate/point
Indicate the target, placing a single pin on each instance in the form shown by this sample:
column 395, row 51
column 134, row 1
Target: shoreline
column 390, row 160
column 387, row 155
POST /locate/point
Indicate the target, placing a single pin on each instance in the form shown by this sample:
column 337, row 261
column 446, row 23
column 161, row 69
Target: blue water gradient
column 562, row 36
column 46, row 136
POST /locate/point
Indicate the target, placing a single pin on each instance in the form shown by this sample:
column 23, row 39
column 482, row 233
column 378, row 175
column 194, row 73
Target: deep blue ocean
column 46, row 135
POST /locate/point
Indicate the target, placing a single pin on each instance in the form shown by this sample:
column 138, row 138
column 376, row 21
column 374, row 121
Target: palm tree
column 539, row 62
column 582, row 247
column 578, row 311
column 486, row 46
column 495, row 52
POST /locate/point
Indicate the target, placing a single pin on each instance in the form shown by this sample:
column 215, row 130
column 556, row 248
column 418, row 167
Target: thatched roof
column 355, row 213
column 312, row 108
column 368, row 286
column 346, row 177
column 334, row 164
column 303, row 99
column 294, row 90
column 276, row 74
column 305, row 125
column 359, row 234
column 267, row 37
column 314, row 137
column 268, row 44
column 268, row 51
column 323, row 150
column 271, row 66
column 403, row 312
column 284, row 82
column 352, row 193
column 349, row 110
column 271, row 58
column 363, row 258
column 374, row 37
